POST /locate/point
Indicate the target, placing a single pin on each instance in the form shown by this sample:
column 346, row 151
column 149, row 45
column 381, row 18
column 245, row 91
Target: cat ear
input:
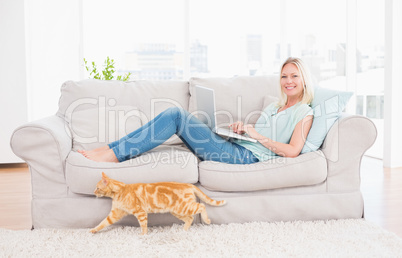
column 105, row 179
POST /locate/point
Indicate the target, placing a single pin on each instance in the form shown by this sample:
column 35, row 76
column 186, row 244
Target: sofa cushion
column 88, row 94
column 157, row 96
column 96, row 127
column 268, row 100
column 151, row 97
column 238, row 98
column 327, row 105
column 162, row 164
column 148, row 97
column 306, row 169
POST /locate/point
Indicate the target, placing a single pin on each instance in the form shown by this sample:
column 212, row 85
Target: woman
column 280, row 132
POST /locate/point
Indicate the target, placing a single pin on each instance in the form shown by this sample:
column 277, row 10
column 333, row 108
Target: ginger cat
column 140, row 199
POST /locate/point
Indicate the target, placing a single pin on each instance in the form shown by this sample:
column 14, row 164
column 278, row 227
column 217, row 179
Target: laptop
column 206, row 104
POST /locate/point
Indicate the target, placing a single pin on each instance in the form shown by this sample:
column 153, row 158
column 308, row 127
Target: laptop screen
column 205, row 98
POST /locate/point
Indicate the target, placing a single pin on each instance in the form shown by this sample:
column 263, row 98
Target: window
column 231, row 38
column 145, row 38
column 316, row 32
column 370, row 66
column 172, row 40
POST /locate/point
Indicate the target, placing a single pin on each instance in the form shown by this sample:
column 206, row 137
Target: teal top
column 276, row 126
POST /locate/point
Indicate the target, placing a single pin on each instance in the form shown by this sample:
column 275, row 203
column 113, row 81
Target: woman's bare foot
column 99, row 155
column 94, row 151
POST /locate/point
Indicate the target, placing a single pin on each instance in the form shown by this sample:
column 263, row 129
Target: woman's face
column 291, row 81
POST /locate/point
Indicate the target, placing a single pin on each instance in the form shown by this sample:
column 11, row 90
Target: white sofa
column 322, row 184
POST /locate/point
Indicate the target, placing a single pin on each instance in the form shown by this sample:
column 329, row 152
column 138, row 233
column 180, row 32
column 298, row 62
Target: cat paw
column 207, row 221
column 93, row 231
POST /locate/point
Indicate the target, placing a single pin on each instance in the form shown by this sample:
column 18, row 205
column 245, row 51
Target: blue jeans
column 197, row 136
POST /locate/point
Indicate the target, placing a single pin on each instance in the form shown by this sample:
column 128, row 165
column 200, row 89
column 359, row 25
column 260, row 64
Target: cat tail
column 206, row 199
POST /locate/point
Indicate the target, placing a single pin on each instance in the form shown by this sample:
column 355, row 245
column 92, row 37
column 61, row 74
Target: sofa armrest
column 44, row 144
column 346, row 142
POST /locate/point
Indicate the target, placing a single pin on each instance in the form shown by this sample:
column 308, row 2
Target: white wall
column 13, row 97
column 53, row 52
column 39, row 50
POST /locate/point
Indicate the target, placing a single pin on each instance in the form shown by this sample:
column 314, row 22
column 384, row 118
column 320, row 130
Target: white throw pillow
column 327, row 105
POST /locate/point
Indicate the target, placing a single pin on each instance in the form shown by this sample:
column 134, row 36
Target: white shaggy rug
column 351, row 238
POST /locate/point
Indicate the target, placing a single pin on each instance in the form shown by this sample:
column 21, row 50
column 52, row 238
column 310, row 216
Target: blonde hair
column 308, row 92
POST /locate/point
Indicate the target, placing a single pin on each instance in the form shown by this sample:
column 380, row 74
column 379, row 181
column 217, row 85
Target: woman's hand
column 240, row 128
column 237, row 127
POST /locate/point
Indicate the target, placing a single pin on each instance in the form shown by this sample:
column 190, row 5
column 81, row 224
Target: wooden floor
column 381, row 188
column 15, row 197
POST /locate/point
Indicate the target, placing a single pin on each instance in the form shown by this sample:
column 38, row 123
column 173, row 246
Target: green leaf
column 107, row 72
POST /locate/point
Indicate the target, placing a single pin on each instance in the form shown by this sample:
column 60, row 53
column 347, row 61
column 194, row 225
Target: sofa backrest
column 99, row 112
column 87, row 94
column 239, row 98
